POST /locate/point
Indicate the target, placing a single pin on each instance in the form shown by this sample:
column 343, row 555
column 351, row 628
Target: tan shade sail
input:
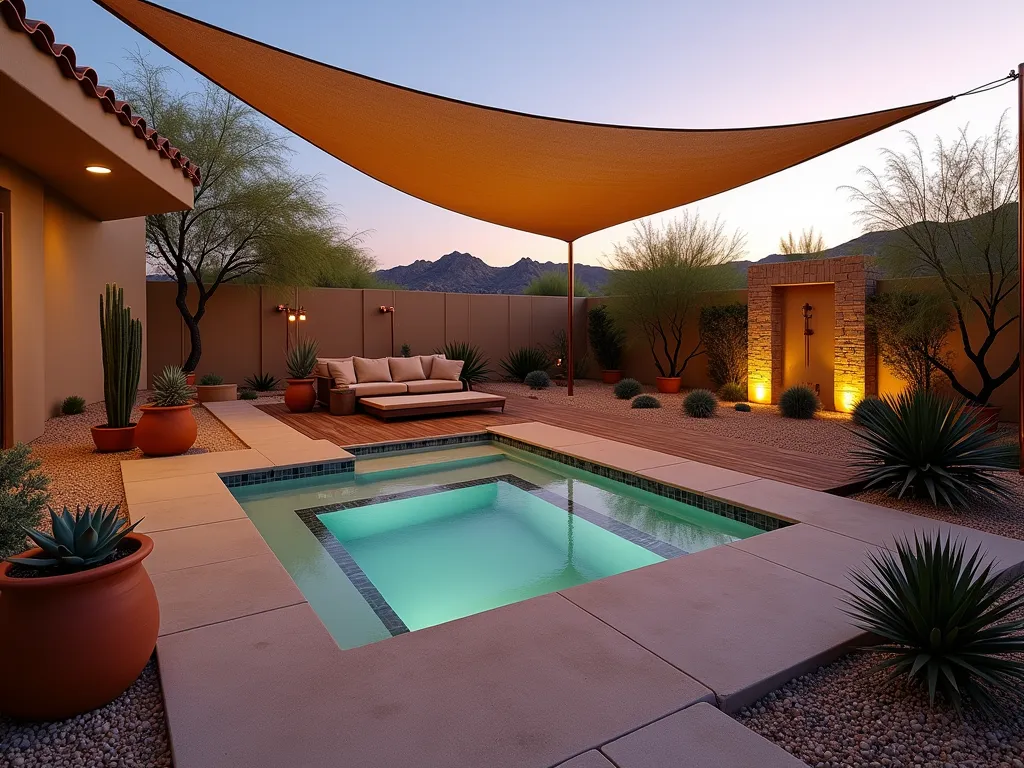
column 543, row 175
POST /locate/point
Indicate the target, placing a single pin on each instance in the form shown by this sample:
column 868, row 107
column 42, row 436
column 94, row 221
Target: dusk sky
column 644, row 62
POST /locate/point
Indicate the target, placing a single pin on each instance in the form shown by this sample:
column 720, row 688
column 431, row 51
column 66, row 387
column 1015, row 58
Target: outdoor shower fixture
column 808, row 332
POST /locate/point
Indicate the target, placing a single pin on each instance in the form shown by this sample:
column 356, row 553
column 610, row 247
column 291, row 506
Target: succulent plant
column 742, row 407
column 79, row 539
column 799, row 402
column 700, row 404
column 121, row 342
column 211, row 380
column 645, row 401
column 301, row 359
column 862, row 408
column 247, row 394
column 537, row 380
column 262, row 382
column 475, row 367
column 732, row 392
column 627, row 389
column 72, row 405
column 170, row 388
column 523, row 361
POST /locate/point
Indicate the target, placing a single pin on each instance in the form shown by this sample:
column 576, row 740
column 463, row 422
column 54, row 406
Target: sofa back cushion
column 447, row 370
column 322, row 365
column 342, row 372
column 371, row 369
column 406, row 369
column 427, row 361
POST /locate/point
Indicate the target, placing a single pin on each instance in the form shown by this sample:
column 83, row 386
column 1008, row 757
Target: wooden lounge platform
column 819, row 473
column 407, row 406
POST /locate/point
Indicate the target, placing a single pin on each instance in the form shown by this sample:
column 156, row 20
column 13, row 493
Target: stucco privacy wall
column 58, row 262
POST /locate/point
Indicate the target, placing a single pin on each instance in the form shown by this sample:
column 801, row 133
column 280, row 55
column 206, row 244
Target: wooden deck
column 819, row 473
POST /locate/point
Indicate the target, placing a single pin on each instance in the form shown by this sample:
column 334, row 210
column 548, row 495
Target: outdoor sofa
column 375, row 377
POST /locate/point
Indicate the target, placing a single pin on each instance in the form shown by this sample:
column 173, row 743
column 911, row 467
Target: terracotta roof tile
column 13, row 12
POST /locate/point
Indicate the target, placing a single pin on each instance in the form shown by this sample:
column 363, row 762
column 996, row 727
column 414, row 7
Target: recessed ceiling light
column 97, row 169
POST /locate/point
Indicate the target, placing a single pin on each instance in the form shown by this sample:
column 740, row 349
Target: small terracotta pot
column 216, row 393
column 987, row 414
column 611, row 377
column 75, row 642
column 166, row 430
column 300, row 397
column 668, row 385
column 190, row 378
column 113, row 439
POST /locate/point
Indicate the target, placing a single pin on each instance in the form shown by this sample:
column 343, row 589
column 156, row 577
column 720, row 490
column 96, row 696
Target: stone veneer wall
column 855, row 371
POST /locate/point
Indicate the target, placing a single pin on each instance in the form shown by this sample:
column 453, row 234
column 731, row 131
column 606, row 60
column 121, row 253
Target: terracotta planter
column 987, row 414
column 166, row 431
column 190, row 378
column 611, row 377
column 75, row 642
column 300, row 397
column 668, row 385
column 216, row 393
column 113, row 439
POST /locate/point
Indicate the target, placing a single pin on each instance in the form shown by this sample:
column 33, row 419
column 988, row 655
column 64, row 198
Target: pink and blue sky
column 643, row 62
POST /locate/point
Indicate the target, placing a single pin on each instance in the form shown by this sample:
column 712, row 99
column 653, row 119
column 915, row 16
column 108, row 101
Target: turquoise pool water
column 419, row 539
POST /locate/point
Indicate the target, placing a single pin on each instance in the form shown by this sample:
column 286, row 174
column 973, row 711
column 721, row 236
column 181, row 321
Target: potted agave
column 121, row 341
column 85, row 581
column 607, row 340
column 167, row 426
column 212, row 389
column 300, row 397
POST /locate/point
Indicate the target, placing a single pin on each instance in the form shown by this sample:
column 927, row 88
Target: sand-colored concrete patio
column 633, row 670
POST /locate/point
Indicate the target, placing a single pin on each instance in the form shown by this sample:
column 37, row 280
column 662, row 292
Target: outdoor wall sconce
column 385, row 310
column 293, row 314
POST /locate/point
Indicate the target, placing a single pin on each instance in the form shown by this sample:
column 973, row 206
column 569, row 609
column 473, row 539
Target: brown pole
column 1020, row 256
column 568, row 333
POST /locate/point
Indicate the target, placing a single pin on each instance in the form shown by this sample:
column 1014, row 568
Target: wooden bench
column 404, row 406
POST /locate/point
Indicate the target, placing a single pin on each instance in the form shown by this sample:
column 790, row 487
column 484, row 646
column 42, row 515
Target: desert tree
column 254, row 218
column 658, row 276
column 955, row 218
column 809, row 243
column 911, row 328
column 554, row 283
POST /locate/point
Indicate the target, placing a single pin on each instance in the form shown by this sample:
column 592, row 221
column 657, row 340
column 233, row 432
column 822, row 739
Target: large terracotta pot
column 216, row 393
column 73, row 643
column 113, row 439
column 611, row 377
column 300, row 397
column 166, row 430
column 668, row 385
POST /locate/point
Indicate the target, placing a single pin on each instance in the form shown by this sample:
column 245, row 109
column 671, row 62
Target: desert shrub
column 537, row 380
column 742, row 407
column 262, row 382
column 865, row 405
column 645, row 401
column 558, row 352
column 72, row 405
column 944, row 618
column 799, row 402
column 606, row 338
column 700, row 404
column 211, row 380
column 475, row 366
column 405, row 351
column 23, row 496
column 723, row 333
column 247, row 394
column 911, row 330
column 932, row 445
column 627, row 389
column 731, row 392
column 522, row 361
column 554, row 283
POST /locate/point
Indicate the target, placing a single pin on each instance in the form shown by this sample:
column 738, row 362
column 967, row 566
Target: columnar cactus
column 121, row 337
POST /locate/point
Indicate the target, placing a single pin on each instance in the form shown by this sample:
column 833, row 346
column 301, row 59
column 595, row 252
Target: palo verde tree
column 254, row 218
column 955, row 218
column 658, row 274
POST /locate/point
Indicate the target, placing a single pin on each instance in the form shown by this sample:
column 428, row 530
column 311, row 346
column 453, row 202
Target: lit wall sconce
column 385, row 310
column 293, row 314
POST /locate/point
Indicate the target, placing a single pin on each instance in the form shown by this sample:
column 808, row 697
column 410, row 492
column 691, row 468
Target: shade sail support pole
column 1020, row 257
column 570, row 361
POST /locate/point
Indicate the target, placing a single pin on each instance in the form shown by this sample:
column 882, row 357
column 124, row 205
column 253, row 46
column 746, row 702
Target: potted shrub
column 212, row 389
column 167, row 426
column 84, row 583
column 607, row 340
column 300, row 396
column 121, row 343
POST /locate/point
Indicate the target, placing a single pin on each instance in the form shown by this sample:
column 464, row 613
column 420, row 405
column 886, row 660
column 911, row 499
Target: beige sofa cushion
column 406, row 369
column 322, row 365
column 434, row 385
column 428, row 363
column 342, row 372
column 446, row 369
column 371, row 369
column 369, row 388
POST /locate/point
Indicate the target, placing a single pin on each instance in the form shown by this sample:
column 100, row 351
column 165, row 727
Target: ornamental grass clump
column 627, row 389
column 645, row 401
column 170, row 388
column 732, row 392
column 945, row 620
column 72, row 405
column 23, row 497
column 799, row 402
column 523, row 361
column 538, row 380
column 931, row 445
column 300, row 361
column 78, row 540
column 700, row 404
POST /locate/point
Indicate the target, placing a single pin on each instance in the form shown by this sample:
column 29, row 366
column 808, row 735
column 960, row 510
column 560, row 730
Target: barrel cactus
column 121, row 339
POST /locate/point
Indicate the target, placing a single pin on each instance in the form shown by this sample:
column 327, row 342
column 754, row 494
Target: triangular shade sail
column 543, row 175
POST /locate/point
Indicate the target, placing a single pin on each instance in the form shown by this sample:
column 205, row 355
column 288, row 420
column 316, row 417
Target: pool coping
column 211, row 533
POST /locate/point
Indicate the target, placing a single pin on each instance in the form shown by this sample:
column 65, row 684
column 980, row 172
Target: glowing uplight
column 759, row 393
column 849, row 400
column 101, row 169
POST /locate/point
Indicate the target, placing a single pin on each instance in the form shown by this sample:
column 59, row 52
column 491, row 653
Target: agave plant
column 301, row 359
column 475, row 368
column 929, row 443
column 262, row 382
column 523, row 361
column 170, row 388
column 79, row 539
column 944, row 619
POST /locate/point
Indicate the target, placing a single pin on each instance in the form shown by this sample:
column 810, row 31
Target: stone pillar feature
column 855, row 367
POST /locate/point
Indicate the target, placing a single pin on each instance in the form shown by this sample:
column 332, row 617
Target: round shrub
column 645, row 401
column 868, row 405
column 247, row 394
column 627, row 389
column 72, row 405
column 700, row 404
column 799, row 402
column 537, row 380
column 732, row 392
column 742, row 407
column 211, row 380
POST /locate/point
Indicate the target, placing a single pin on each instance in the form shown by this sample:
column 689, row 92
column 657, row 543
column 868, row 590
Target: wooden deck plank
column 820, row 473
